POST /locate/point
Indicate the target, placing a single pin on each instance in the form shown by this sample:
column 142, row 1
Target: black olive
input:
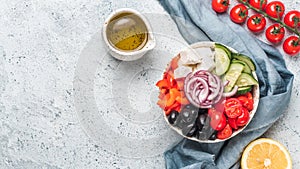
column 213, row 136
column 200, row 121
column 186, row 113
column 201, row 135
column 203, row 111
column 188, row 130
column 189, row 106
column 172, row 117
column 192, row 132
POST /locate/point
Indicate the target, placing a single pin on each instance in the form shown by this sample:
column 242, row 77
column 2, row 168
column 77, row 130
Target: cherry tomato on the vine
column 292, row 18
column 275, row 33
column 239, row 13
column 220, row 6
column 256, row 23
column 291, row 45
column 275, row 9
column 258, row 4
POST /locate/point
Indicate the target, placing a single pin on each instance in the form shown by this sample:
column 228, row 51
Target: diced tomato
column 248, row 103
column 232, row 107
column 243, row 119
column 225, row 133
column 232, row 123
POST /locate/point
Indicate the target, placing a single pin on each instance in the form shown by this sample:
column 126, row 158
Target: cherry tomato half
column 275, row 33
column 256, row 23
column 225, row 133
column 239, row 13
column 292, row 18
column 232, row 123
column 291, row 45
column 249, row 95
column 243, row 119
column 218, row 119
column 258, row 4
column 247, row 103
column 275, row 9
column 232, row 107
column 220, row 6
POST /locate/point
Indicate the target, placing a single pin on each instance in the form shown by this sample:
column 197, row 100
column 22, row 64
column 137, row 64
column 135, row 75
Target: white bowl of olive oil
column 127, row 34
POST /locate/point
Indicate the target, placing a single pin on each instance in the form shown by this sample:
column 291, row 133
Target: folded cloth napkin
column 196, row 21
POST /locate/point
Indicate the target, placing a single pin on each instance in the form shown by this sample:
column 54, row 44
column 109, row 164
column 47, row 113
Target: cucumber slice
column 245, row 59
column 243, row 90
column 222, row 61
column 232, row 75
column 246, row 68
column 246, row 79
column 220, row 46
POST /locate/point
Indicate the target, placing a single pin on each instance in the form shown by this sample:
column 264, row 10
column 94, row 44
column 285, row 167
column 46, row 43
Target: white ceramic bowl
column 134, row 54
column 255, row 93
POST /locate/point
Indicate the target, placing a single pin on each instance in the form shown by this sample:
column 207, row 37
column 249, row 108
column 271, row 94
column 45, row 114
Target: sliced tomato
column 225, row 133
column 243, row 119
column 247, row 103
column 232, row 107
column 218, row 119
column 232, row 123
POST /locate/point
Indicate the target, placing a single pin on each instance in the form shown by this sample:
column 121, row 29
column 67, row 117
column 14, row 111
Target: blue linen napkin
column 196, row 21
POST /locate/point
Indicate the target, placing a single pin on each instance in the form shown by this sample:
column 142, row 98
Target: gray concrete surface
column 43, row 89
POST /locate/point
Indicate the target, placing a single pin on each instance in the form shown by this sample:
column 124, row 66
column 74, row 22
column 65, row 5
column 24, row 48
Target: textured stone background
column 39, row 127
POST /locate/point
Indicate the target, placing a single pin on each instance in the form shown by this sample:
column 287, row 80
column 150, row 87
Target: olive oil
column 127, row 32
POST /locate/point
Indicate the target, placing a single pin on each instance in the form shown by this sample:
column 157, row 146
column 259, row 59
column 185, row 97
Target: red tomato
column 243, row 119
column 218, row 119
column 220, row 105
column 256, row 23
column 247, row 103
column 275, row 33
column 258, row 4
column 249, row 95
column 292, row 19
column 232, row 107
column 239, row 13
column 275, row 9
column 220, row 6
column 225, row 133
column 291, row 45
column 232, row 123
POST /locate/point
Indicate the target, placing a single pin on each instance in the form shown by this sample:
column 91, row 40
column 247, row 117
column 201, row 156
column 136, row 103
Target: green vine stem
column 294, row 30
